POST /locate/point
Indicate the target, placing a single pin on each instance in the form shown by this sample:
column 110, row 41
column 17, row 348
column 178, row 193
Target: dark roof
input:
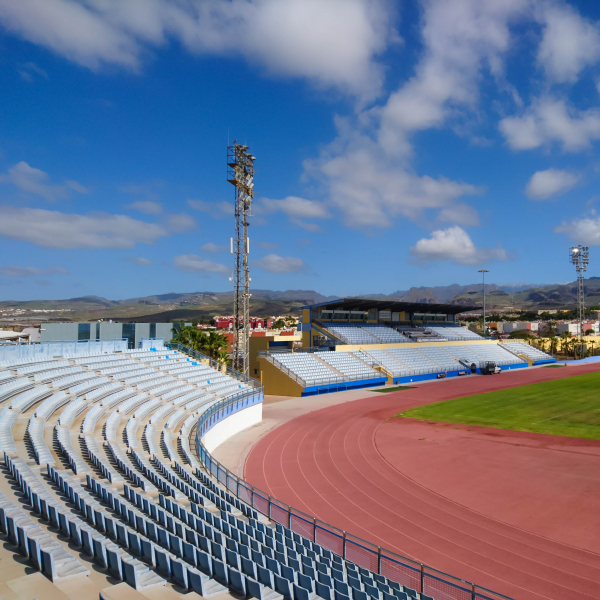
column 393, row 305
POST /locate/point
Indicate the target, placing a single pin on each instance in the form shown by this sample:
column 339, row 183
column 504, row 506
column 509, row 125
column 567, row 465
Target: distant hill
column 307, row 296
column 199, row 305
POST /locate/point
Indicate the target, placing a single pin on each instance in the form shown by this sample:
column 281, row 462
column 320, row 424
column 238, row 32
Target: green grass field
column 569, row 407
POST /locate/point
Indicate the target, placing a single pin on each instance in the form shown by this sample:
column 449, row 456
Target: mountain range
column 197, row 305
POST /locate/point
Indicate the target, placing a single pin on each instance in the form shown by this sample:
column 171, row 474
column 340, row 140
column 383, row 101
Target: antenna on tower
column 240, row 173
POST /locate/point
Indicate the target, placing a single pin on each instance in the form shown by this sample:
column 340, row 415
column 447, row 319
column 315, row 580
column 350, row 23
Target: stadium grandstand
column 361, row 342
column 112, row 484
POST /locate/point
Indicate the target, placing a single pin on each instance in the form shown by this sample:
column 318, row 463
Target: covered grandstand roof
column 392, row 305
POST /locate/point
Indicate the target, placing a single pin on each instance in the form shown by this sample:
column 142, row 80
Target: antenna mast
column 240, row 173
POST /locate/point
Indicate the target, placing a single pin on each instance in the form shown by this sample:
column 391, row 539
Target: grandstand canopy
column 390, row 304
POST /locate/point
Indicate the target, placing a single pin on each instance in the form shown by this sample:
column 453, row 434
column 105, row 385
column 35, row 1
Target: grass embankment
column 568, row 407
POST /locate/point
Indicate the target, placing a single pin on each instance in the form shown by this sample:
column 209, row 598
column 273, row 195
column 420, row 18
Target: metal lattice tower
column 240, row 173
column 580, row 257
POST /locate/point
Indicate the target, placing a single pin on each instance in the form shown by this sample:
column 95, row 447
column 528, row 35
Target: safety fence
column 405, row 571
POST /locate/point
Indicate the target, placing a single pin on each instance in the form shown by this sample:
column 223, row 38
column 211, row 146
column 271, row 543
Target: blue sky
column 398, row 144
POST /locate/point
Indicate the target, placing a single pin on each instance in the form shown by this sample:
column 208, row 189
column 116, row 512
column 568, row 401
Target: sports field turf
column 569, row 407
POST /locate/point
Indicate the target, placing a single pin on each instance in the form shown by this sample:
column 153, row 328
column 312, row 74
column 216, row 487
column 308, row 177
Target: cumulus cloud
column 550, row 120
column 180, row 223
column 138, row 261
column 53, row 229
column 550, row 182
column 35, row 181
column 217, row 210
column 18, row 271
column 331, row 43
column 296, row 207
column 460, row 39
column 456, row 245
column 280, row 264
column 370, row 188
column 569, row 43
column 210, row 247
column 584, row 231
column 146, row 207
column 192, row 263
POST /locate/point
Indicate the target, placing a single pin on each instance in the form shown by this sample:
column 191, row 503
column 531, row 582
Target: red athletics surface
column 518, row 513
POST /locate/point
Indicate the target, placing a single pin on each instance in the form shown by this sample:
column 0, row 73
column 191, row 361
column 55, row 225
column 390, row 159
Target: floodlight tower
column 483, row 272
column 240, row 173
column 580, row 257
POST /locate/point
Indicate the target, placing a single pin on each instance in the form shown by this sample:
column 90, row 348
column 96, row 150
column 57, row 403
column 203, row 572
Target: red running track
column 515, row 512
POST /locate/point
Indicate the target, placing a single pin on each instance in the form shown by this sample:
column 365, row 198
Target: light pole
column 483, row 272
column 580, row 257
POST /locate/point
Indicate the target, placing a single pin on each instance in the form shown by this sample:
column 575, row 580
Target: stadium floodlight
column 483, row 272
column 240, row 173
column 580, row 257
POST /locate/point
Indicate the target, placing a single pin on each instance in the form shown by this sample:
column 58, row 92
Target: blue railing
column 403, row 570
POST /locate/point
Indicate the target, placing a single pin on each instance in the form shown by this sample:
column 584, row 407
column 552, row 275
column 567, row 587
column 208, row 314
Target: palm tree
column 553, row 344
column 565, row 336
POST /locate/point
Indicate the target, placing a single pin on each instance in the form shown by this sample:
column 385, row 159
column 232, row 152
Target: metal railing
column 405, row 571
column 283, row 368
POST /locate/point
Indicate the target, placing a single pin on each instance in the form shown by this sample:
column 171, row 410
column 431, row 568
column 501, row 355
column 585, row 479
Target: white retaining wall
column 233, row 424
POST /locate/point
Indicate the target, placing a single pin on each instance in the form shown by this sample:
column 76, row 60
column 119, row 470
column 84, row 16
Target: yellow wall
column 276, row 382
column 261, row 344
column 306, row 335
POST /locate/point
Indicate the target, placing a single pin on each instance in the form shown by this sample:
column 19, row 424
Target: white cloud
column 461, row 38
column 138, row 261
column 210, row 247
column 180, row 223
column 217, row 210
column 584, row 231
column 295, row 207
column 550, row 182
column 146, row 207
column 456, row 245
column 370, row 188
column 549, row 120
column 35, row 181
column 307, row 226
column 331, row 43
column 280, row 264
column 17, row 271
column 53, row 229
column 76, row 186
column 569, row 43
column 192, row 263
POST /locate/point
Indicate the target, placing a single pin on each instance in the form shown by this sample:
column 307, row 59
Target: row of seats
column 404, row 362
column 526, row 350
column 348, row 365
column 306, row 367
column 223, row 546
